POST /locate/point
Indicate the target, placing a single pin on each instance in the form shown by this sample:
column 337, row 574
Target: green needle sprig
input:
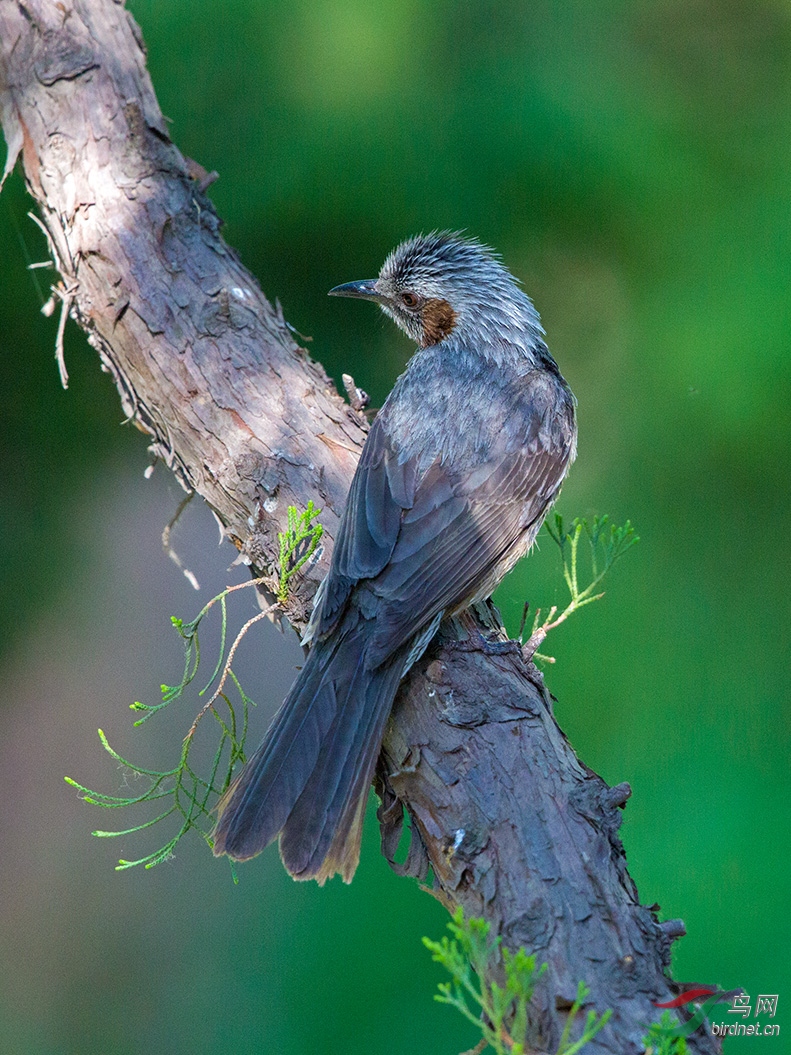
column 501, row 1012
column 607, row 543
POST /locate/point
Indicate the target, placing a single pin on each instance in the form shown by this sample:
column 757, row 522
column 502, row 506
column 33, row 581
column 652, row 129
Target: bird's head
column 441, row 283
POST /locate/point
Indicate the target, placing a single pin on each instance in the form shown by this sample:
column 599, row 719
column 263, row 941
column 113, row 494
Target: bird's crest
column 438, row 253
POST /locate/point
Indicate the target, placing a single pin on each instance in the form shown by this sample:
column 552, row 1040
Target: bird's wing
column 455, row 541
column 426, row 532
column 382, row 489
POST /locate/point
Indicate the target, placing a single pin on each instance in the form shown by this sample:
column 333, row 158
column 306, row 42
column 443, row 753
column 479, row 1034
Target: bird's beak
column 365, row 290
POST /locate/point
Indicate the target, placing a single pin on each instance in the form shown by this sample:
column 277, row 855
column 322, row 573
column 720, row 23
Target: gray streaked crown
column 441, row 257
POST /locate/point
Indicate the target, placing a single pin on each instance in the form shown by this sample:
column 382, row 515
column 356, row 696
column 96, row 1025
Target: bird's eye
column 410, row 300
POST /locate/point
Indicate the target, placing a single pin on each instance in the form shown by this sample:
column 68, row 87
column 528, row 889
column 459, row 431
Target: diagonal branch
column 512, row 824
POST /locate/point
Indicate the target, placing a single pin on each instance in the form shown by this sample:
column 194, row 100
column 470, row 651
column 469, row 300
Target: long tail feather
column 322, row 833
column 309, row 778
column 255, row 807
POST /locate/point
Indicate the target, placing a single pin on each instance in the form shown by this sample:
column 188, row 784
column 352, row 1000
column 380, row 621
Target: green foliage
column 500, row 1012
column 297, row 545
column 659, row 1039
column 607, row 543
column 190, row 793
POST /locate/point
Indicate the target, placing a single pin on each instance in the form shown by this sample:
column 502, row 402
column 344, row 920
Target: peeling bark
column 513, row 826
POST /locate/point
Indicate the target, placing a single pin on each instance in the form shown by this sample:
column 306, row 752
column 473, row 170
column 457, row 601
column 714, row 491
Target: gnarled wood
column 513, row 825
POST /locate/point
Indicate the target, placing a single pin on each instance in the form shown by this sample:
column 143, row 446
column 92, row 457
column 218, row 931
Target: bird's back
column 459, row 399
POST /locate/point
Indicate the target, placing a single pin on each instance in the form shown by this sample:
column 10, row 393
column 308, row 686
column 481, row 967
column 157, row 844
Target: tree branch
column 514, row 827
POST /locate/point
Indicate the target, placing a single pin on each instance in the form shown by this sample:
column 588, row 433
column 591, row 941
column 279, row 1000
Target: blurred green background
column 631, row 163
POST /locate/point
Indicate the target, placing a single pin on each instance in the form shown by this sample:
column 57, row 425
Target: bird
column 457, row 473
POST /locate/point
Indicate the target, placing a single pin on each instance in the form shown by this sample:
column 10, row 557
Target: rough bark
column 512, row 824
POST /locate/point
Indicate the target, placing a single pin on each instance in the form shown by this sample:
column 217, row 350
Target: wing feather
column 424, row 531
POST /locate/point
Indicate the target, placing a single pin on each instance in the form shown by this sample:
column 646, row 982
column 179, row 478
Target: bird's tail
column 309, row 779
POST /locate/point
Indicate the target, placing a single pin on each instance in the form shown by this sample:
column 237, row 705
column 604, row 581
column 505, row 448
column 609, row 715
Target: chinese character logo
column 741, row 1006
column 766, row 1005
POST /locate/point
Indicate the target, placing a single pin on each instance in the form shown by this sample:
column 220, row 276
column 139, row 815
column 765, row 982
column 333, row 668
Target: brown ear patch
column 438, row 319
